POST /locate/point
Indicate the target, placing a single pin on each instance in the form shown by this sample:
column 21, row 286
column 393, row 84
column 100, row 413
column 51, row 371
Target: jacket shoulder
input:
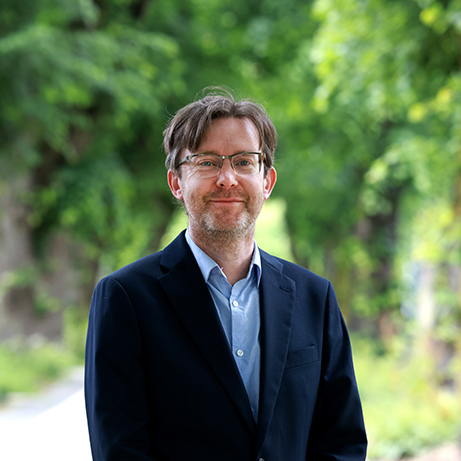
column 146, row 268
column 152, row 266
column 297, row 273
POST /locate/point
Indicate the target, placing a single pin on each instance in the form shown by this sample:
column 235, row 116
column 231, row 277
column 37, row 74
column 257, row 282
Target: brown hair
column 190, row 124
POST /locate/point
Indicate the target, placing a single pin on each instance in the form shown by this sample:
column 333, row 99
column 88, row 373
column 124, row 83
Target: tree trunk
column 18, row 268
column 17, row 303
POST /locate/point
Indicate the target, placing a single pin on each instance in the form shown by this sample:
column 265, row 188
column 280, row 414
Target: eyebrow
column 215, row 153
column 207, row 152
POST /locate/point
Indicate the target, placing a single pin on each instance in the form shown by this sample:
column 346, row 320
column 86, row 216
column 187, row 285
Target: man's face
column 227, row 204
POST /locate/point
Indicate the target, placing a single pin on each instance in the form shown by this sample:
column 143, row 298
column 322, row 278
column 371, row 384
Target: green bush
column 405, row 409
column 28, row 368
column 75, row 326
column 28, row 365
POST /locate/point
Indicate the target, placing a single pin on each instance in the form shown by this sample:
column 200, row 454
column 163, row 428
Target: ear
column 269, row 182
column 175, row 186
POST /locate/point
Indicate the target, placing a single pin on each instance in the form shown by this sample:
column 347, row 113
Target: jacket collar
column 277, row 306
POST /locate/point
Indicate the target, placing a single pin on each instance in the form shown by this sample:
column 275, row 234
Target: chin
column 219, row 226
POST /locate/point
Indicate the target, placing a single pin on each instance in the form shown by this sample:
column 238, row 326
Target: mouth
column 226, row 203
column 226, row 200
column 226, row 197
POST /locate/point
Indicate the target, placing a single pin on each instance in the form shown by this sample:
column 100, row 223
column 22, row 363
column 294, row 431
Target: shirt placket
column 238, row 328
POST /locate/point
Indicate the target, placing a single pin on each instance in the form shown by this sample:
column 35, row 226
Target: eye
column 245, row 161
column 207, row 161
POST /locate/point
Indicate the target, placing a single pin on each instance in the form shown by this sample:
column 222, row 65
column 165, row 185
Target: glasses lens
column 208, row 165
column 247, row 163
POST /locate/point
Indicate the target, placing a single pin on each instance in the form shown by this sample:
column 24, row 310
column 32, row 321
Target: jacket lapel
column 277, row 307
column 184, row 286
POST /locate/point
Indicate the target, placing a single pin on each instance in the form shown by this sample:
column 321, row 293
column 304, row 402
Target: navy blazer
column 161, row 382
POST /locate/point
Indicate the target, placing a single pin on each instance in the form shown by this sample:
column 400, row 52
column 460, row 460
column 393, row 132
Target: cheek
column 191, row 195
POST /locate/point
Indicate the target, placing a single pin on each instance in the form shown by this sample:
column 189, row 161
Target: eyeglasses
column 209, row 165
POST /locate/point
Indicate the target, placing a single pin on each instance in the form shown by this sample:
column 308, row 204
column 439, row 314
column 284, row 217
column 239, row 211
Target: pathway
column 50, row 426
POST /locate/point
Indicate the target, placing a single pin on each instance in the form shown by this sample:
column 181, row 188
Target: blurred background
column 366, row 98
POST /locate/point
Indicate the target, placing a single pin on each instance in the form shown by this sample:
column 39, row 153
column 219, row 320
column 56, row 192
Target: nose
column 226, row 176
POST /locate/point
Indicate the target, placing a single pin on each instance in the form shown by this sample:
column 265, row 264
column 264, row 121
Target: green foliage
column 271, row 233
column 366, row 97
column 405, row 410
column 371, row 142
column 19, row 278
column 27, row 369
column 75, row 327
column 82, row 88
column 363, row 93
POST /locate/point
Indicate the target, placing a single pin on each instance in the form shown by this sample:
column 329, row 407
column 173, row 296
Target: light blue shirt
column 238, row 309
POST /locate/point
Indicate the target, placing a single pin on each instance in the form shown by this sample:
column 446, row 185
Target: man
column 213, row 350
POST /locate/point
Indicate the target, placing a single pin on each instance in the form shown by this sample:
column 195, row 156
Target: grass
column 405, row 409
column 28, row 368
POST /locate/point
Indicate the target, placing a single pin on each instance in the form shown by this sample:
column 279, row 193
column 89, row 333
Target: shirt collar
column 206, row 264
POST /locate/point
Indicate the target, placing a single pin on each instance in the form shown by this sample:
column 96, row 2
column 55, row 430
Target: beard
column 225, row 226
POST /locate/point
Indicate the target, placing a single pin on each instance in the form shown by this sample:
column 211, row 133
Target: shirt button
column 239, row 352
column 235, row 303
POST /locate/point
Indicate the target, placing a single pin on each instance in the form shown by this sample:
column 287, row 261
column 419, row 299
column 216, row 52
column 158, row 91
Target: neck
column 231, row 252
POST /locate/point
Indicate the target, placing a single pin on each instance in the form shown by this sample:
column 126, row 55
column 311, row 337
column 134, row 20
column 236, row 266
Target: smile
column 227, row 201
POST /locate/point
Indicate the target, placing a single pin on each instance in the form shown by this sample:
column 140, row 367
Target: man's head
column 189, row 126
column 215, row 150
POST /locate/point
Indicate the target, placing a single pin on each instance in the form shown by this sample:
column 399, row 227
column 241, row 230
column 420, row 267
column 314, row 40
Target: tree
column 381, row 127
column 83, row 89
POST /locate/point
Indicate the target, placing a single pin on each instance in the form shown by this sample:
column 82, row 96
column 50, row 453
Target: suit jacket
column 161, row 382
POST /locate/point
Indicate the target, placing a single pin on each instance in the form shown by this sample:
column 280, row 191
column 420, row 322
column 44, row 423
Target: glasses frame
column 188, row 158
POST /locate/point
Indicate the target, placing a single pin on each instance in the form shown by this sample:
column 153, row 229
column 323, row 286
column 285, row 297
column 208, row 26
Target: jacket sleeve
column 115, row 391
column 337, row 431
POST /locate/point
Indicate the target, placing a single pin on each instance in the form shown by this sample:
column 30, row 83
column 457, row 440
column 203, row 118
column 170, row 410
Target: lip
column 226, row 201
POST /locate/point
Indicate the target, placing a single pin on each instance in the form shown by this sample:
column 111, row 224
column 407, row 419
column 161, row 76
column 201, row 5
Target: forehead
column 230, row 134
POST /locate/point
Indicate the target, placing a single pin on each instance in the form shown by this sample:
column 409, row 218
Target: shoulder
column 300, row 275
column 152, row 267
column 147, row 266
column 134, row 276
